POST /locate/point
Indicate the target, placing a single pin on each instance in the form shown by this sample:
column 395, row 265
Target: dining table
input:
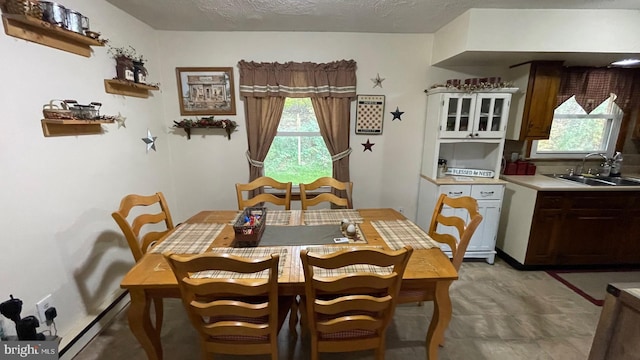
column 212, row 230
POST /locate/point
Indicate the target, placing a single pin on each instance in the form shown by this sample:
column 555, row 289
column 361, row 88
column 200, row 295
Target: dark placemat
column 300, row 235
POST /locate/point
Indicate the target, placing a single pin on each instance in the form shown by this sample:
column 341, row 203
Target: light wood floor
column 499, row 313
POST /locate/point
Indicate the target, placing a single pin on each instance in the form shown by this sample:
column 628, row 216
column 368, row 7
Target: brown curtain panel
column 331, row 87
column 592, row 86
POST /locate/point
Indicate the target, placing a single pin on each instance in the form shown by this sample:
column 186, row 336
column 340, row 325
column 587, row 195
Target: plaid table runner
column 324, row 250
column 254, row 252
column 189, row 239
column 278, row 217
column 331, row 216
column 398, row 233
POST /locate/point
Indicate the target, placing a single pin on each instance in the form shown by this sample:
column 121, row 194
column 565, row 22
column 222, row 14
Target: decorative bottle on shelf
column 124, row 68
column 616, row 166
column 139, row 72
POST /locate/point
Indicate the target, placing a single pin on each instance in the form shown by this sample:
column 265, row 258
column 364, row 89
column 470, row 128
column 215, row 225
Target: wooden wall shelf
column 188, row 130
column 67, row 127
column 44, row 33
column 128, row 88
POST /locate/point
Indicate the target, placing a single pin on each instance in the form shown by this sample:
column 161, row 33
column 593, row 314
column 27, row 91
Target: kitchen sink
column 593, row 180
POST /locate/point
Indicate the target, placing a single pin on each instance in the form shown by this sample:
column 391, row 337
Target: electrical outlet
column 42, row 306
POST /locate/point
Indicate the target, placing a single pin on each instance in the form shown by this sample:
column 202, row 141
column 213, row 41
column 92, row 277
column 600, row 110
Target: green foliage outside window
column 577, row 134
column 299, row 159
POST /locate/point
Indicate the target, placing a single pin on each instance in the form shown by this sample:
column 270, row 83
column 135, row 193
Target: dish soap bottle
column 616, row 165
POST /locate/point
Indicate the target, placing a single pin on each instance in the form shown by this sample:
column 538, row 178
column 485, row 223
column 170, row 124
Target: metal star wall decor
column 396, row 114
column 150, row 141
column 120, row 120
column 377, row 81
column 367, row 146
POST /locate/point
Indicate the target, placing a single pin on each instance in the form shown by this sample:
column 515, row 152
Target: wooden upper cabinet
column 532, row 111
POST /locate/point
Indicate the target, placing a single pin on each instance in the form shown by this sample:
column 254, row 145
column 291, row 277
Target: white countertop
column 463, row 180
column 546, row 183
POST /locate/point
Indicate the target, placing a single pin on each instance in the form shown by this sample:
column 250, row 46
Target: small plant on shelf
column 129, row 64
column 207, row 122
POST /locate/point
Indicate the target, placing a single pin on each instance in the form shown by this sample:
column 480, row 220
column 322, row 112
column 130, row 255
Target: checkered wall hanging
column 369, row 114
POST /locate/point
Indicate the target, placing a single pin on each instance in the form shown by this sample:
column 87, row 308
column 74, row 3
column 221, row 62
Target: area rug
column 592, row 284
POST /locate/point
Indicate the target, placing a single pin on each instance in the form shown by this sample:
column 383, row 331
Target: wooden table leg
column 141, row 326
column 440, row 321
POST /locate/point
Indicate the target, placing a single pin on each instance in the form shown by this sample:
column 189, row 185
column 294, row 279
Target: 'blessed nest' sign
column 471, row 172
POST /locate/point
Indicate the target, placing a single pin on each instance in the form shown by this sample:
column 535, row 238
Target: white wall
column 58, row 193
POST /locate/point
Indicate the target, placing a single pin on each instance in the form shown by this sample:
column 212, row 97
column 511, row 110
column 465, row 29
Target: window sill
column 295, row 192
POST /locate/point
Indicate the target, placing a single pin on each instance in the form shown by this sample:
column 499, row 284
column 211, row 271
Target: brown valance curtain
column 296, row 80
column 331, row 87
column 592, row 86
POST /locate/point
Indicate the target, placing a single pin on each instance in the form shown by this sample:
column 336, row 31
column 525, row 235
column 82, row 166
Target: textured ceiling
column 374, row 16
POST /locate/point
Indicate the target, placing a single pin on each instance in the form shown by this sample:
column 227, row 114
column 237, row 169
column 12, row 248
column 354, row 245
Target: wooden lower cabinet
column 546, row 227
column 585, row 228
column 629, row 252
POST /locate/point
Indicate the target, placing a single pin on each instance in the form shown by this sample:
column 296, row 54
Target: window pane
column 570, row 106
column 578, row 135
column 299, row 159
column 576, row 132
column 298, row 115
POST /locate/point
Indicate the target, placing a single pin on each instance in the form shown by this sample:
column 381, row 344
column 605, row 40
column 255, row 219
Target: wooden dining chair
column 132, row 230
column 232, row 315
column 344, row 188
column 260, row 184
column 349, row 309
column 452, row 230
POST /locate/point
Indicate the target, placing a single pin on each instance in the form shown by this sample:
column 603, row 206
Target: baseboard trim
column 511, row 261
column 101, row 321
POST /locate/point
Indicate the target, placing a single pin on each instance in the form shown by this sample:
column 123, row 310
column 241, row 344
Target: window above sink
column 575, row 133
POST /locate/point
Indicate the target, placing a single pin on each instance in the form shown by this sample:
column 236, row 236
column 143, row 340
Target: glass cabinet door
column 491, row 116
column 458, row 119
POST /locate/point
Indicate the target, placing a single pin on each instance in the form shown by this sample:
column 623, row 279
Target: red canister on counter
column 511, row 168
column 531, row 168
column 521, row 167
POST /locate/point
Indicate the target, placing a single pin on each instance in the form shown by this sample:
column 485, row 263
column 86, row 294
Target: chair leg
column 303, row 316
column 159, row 309
column 380, row 350
column 293, row 317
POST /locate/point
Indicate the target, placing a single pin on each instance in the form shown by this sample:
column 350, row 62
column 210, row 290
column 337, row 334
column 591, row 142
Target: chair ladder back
column 350, row 311
column 257, row 187
column 464, row 228
column 232, row 316
column 341, row 193
column 131, row 230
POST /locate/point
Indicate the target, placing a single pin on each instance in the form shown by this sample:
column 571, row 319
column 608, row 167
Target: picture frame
column 369, row 114
column 206, row 90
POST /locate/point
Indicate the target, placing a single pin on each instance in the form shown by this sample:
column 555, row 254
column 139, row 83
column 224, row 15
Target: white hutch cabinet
column 467, row 129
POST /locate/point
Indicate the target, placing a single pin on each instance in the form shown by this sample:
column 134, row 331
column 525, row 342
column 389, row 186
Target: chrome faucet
column 603, row 156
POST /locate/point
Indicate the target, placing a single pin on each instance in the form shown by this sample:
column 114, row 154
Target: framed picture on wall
column 369, row 114
column 206, row 91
